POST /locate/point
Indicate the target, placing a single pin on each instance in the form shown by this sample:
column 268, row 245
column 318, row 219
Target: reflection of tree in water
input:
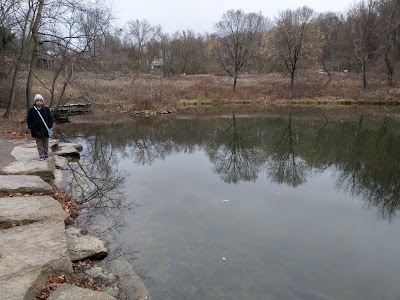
column 284, row 166
column 233, row 158
column 147, row 150
column 96, row 182
column 364, row 154
column 373, row 172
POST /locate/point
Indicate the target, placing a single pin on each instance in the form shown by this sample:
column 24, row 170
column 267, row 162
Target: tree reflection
column 96, row 182
column 374, row 171
column 363, row 153
column 233, row 158
column 284, row 166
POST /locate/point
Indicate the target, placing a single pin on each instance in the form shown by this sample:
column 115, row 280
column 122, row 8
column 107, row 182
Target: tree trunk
column 291, row 85
column 234, row 83
column 364, row 74
column 24, row 41
column 13, row 88
column 389, row 70
column 35, row 53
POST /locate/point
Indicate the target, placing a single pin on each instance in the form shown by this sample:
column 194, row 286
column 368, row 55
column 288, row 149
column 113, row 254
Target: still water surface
column 265, row 207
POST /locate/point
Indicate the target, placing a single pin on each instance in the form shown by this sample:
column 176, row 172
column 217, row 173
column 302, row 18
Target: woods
column 71, row 37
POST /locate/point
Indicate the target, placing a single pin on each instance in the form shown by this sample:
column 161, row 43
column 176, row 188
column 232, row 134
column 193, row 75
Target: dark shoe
column 42, row 158
column 46, row 157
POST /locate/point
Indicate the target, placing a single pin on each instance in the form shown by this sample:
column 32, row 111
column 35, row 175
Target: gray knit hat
column 38, row 96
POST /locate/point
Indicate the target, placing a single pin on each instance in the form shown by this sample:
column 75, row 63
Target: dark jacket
column 35, row 123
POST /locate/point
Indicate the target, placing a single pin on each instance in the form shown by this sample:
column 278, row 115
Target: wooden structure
column 62, row 113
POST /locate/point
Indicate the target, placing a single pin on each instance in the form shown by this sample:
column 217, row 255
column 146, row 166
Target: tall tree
column 237, row 37
column 296, row 40
column 140, row 34
column 23, row 18
column 330, row 24
column 363, row 20
column 35, row 51
column 389, row 36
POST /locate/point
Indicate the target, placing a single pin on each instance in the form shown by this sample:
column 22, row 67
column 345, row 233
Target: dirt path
column 6, row 146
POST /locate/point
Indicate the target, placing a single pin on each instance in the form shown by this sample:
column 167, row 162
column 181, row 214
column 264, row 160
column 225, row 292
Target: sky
column 200, row 16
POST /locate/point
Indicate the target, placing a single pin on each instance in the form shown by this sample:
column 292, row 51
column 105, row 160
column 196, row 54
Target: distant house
column 156, row 64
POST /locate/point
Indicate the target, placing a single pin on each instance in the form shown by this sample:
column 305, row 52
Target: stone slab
column 33, row 246
column 25, row 152
column 66, row 149
column 30, row 209
column 68, row 291
column 32, row 167
column 16, row 287
column 24, row 184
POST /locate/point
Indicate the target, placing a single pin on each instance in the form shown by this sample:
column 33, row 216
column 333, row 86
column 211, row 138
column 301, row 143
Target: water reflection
column 364, row 153
column 290, row 227
column 97, row 183
column 285, row 165
column 232, row 154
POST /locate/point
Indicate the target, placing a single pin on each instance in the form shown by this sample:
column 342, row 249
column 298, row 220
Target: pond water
column 278, row 206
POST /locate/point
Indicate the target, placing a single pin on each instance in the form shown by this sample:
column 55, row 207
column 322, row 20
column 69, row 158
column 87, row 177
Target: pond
column 288, row 205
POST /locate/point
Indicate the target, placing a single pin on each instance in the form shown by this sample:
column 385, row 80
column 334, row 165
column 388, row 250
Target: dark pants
column 42, row 144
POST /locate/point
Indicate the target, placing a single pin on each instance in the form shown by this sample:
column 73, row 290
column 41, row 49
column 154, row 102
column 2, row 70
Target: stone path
column 33, row 238
column 33, row 243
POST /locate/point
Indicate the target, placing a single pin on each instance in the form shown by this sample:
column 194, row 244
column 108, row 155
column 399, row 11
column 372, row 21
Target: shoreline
column 110, row 272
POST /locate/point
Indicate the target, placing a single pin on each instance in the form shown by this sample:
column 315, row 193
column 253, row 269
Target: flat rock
column 68, row 291
column 32, row 167
column 36, row 245
column 24, row 184
column 25, row 152
column 29, row 253
column 84, row 246
column 130, row 284
column 66, row 149
column 30, row 209
column 16, row 287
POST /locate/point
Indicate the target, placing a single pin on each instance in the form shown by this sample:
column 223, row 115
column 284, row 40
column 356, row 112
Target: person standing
column 37, row 126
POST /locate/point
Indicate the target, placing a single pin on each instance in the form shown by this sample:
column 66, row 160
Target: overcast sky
column 200, row 16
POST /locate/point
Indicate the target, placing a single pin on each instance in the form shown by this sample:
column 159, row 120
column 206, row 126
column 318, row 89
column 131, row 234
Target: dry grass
column 124, row 94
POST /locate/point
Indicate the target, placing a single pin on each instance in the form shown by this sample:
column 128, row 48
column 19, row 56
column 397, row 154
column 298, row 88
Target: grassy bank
column 118, row 94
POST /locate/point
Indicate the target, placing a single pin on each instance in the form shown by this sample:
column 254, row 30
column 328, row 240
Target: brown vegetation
column 126, row 94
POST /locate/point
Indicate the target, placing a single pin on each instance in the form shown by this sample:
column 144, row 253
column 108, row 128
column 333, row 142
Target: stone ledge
column 24, row 184
column 27, row 210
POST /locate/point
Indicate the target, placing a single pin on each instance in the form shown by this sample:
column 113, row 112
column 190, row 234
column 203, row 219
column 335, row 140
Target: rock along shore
column 34, row 242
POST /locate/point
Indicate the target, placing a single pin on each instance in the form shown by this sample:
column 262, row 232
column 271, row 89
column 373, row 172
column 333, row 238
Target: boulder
column 68, row 291
column 130, row 285
column 82, row 246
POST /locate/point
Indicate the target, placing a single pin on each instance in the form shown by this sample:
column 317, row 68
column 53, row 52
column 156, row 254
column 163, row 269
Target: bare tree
column 35, row 51
column 330, row 24
column 296, row 40
column 363, row 20
column 140, row 33
column 22, row 18
column 389, row 36
column 188, row 51
column 237, row 37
